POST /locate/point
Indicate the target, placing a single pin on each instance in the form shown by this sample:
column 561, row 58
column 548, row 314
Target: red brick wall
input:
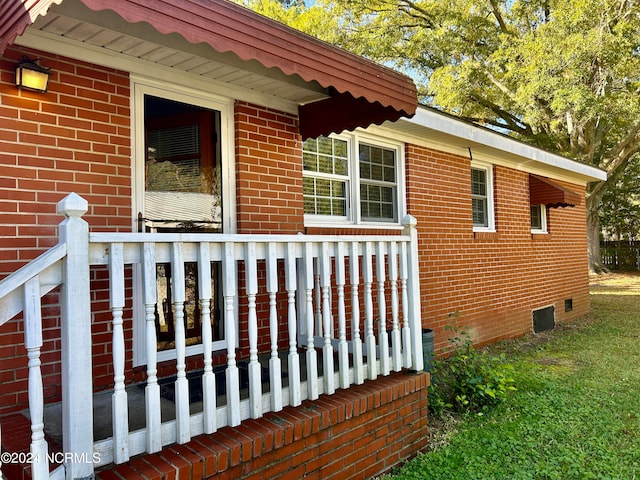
column 268, row 171
column 74, row 138
column 491, row 282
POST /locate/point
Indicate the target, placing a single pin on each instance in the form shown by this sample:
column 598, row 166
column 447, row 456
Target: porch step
column 16, row 439
column 286, row 444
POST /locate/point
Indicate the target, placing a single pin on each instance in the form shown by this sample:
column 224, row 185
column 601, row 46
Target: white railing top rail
column 100, row 242
column 47, row 266
column 120, row 237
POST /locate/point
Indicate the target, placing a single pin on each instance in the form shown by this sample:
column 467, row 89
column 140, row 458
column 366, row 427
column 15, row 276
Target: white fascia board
column 498, row 148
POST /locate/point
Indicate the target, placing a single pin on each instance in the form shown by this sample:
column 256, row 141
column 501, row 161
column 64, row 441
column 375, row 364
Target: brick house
column 206, row 212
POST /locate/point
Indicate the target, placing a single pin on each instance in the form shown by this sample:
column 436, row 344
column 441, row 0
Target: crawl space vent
column 544, row 319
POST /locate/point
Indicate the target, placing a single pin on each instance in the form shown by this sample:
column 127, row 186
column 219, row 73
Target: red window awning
column 543, row 191
column 360, row 92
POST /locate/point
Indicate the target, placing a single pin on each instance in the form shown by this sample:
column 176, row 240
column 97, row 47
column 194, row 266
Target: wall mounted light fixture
column 31, row 75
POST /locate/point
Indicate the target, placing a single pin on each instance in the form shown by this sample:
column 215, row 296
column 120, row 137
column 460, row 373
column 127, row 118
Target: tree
column 563, row 75
column 620, row 212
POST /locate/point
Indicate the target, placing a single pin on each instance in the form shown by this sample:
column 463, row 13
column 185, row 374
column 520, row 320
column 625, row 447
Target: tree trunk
column 593, row 235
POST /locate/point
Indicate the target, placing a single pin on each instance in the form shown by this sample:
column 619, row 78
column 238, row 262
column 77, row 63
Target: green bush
column 468, row 380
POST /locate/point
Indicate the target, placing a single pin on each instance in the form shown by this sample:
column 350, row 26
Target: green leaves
column 469, row 380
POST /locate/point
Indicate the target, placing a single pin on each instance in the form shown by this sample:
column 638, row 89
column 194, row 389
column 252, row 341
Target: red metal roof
column 362, row 92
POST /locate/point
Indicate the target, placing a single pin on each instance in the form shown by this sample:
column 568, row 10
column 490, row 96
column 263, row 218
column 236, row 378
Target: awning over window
column 543, row 191
column 360, row 92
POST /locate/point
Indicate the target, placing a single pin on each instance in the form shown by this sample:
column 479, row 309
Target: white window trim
column 491, row 220
column 353, row 219
column 141, row 86
column 543, row 218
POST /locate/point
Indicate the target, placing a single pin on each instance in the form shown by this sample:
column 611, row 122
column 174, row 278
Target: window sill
column 486, row 235
column 338, row 225
column 540, row 236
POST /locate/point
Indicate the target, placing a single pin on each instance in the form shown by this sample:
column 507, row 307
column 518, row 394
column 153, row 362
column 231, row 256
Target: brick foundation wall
column 353, row 434
column 491, row 282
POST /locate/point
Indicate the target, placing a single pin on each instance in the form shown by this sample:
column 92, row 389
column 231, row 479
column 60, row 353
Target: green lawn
column 575, row 414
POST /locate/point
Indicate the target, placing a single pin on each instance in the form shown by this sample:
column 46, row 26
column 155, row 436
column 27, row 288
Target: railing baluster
column 152, row 389
column 396, row 354
column 33, row 344
column 356, row 341
column 327, row 349
column 311, row 354
column 318, row 298
column 295, row 393
column 183, row 432
column 343, row 347
column 406, row 330
column 119, row 408
column 383, row 336
column 370, row 339
column 255, row 370
column 275, row 365
column 208, row 377
column 229, row 292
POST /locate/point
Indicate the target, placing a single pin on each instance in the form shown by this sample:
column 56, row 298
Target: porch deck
column 347, row 309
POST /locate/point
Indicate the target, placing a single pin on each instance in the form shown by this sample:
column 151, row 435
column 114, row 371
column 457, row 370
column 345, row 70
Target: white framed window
column 482, row 197
column 539, row 219
column 184, row 180
column 353, row 179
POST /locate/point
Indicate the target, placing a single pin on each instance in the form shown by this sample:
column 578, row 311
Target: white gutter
column 468, row 136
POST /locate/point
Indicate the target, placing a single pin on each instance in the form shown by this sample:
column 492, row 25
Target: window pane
column 341, row 166
column 310, row 145
column 325, row 164
column 365, row 170
column 325, row 145
column 536, row 217
column 323, row 187
column 310, row 161
column 309, row 205
column 480, row 212
column 377, row 202
column 340, row 148
column 377, row 182
column 324, row 206
column 389, row 174
column 376, row 172
column 478, row 182
column 326, row 167
column 173, row 159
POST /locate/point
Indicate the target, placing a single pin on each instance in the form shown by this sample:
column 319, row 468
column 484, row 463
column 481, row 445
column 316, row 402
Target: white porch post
column 413, row 292
column 77, row 401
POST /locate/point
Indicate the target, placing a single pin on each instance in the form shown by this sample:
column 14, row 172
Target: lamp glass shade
column 32, row 77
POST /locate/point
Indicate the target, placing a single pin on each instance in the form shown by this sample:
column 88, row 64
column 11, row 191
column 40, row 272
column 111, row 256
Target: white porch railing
column 355, row 299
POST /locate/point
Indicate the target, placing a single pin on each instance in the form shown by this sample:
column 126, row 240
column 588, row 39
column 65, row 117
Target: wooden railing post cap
column 410, row 221
column 73, row 205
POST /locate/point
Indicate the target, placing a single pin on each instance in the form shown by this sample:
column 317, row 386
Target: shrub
column 468, row 380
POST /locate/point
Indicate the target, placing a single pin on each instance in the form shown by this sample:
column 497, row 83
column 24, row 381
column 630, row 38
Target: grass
column 575, row 414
